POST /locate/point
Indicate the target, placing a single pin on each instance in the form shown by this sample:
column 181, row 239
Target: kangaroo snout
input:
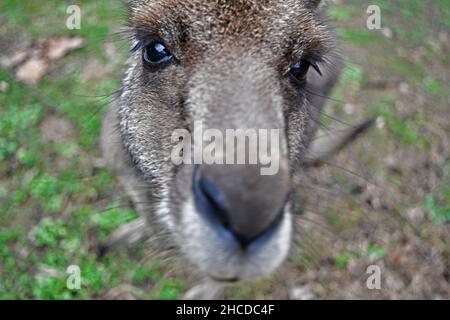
column 239, row 201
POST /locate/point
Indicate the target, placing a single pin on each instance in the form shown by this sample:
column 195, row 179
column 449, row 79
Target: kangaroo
column 230, row 64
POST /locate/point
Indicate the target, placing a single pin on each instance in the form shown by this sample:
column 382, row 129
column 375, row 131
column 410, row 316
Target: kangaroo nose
column 240, row 199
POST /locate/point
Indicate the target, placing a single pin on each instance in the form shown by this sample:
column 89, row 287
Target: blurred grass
column 35, row 235
column 53, row 213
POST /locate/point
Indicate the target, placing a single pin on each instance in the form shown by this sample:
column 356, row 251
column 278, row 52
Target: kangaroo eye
column 301, row 68
column 156, row 53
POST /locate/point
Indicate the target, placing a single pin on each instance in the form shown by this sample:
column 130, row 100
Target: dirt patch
column 54, row 129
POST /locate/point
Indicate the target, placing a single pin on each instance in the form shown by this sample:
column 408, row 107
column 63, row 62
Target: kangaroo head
column 243, row 64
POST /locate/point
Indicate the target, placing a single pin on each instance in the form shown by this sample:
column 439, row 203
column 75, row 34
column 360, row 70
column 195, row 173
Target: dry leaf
column 4, row 86
column 8, row 62
column 59, row 47
column 33, row 63
column 32, row 71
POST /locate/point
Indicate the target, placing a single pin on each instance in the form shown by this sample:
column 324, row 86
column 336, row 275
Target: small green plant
column 438, row 206
column 48, row 232
column 403, row 130
column 111, row 219
column 376, row 252
column 432, row 86
column 342, row 260
column 169, row 289
column 144, row 274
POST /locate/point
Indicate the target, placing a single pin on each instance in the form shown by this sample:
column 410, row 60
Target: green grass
column 145, row 274
column 362, row 37
column 352, row 74
column 404, row 132
column 376, row 252
column 110, row 220
column 38, row 18
column 342, row 261
column 341, row 13
column 432, row 86
column 55, row 209
column 438, row 205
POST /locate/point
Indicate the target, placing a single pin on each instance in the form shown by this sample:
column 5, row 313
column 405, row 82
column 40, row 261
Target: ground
column 383, row 201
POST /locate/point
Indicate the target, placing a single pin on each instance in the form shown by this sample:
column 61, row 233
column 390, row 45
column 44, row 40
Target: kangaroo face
column 244, row 64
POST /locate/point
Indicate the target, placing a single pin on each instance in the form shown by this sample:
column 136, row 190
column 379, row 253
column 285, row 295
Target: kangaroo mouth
column 220, row 256
column 227, row 238
column 226, row 281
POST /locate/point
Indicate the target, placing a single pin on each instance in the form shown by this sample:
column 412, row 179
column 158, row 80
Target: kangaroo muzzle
column 238, row 199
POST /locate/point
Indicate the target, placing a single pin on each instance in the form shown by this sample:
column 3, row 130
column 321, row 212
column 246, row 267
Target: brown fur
column 231, row 71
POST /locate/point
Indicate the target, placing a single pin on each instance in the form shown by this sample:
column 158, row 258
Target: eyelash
column 316, row 68
column 137, row 47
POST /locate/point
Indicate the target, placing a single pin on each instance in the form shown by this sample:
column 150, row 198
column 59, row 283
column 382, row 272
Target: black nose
column 240, row 199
